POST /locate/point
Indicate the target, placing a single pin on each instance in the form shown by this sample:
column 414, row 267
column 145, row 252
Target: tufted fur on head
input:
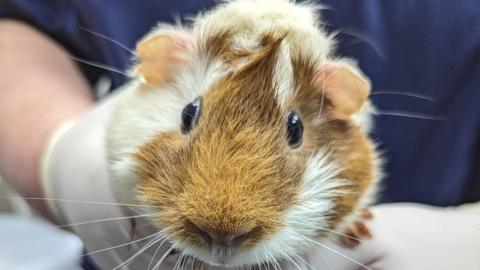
column 251, row 62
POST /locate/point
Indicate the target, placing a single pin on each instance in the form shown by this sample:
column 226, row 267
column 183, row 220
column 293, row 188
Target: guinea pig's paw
column 358, row 230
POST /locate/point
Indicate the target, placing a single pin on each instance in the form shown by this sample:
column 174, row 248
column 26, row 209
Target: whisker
column 156, row 252
column 259, row 262
column 410, row 115
column 367, row 40
column 408, row 94
column 145, row 247
column 274, row 261
column 176, row 263
column 334, row 232
column 109, row 39
column 194, row 265
column 163, row 257
column 121, row 245
column 302, row 260
column 402, row 113
column 266, row 252
column 108, row 219
column 175, row 267
column 99, row 65
column 187, row 261
column 77, row 201
column 329, row 264
column 182, row 262
column 334, row 251
column 266, row 265
column 298, row 257
column 198, row 265
column 288, row 257
column 323, row 93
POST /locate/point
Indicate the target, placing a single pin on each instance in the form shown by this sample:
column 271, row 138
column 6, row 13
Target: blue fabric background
column 428, row 47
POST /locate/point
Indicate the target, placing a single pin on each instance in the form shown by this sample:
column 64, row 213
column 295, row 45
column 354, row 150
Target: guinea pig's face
column 256, row 167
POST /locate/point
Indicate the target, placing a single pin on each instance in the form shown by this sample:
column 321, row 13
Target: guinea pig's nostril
column 236, row 240
column 199, row 230
column 231, row 239
column 239, row 238
column 205, row 235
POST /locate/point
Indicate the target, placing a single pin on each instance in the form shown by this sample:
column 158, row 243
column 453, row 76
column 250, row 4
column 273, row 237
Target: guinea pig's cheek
column 303, row 218
column 159, row 173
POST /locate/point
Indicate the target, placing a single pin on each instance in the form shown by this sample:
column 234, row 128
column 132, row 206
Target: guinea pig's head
column 246, row 157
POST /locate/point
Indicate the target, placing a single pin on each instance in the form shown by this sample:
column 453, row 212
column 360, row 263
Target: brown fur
column 235, row 171
column 231, row 174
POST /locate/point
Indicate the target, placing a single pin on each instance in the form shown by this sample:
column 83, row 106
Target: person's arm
column 40, row 87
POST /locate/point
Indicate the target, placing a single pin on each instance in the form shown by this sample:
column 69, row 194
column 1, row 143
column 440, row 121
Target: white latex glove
column 412, row 237
column 28, row 243
column 75, row 178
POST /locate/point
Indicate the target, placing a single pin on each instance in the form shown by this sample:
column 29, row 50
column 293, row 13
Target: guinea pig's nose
column 231, row 239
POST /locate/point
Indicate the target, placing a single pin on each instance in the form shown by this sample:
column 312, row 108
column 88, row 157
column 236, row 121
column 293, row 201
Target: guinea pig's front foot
column 358, row 230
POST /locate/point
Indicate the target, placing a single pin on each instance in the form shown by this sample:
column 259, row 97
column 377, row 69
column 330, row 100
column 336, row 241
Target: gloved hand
column 409, row 236
column 77, row 185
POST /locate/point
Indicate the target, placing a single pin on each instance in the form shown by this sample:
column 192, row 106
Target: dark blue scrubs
column 429, row 48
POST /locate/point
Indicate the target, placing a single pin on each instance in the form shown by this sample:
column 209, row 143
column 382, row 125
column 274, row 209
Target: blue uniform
column 429, row 48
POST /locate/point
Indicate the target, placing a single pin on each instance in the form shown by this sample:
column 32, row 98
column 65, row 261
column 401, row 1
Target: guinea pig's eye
column 294, row 130
column 190, row 115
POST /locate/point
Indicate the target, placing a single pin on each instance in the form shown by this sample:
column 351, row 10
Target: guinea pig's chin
column 222, row 257
column 217, row 259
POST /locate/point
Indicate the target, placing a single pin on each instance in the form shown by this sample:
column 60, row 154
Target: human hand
column 77, row 187
column 40, row 87
column 410, row 236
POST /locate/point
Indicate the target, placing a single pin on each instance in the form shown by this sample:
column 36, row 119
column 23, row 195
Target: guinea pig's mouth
column 215, row 256
column 221, row 260
column 220, row 257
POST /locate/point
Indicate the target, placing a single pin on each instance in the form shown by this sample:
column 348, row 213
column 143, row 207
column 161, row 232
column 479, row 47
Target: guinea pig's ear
column 344, row 86
column 161, row 55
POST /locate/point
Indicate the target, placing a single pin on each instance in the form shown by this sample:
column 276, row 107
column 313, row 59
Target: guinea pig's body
column 244, row 134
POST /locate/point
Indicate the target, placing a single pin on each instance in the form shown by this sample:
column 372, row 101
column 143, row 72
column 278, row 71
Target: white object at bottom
column 30, row 243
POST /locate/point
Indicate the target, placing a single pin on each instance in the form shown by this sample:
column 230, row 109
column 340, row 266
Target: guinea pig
column 245, row 133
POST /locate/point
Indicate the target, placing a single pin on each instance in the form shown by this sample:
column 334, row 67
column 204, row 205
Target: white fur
column 250, row 20
column 283, row 77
